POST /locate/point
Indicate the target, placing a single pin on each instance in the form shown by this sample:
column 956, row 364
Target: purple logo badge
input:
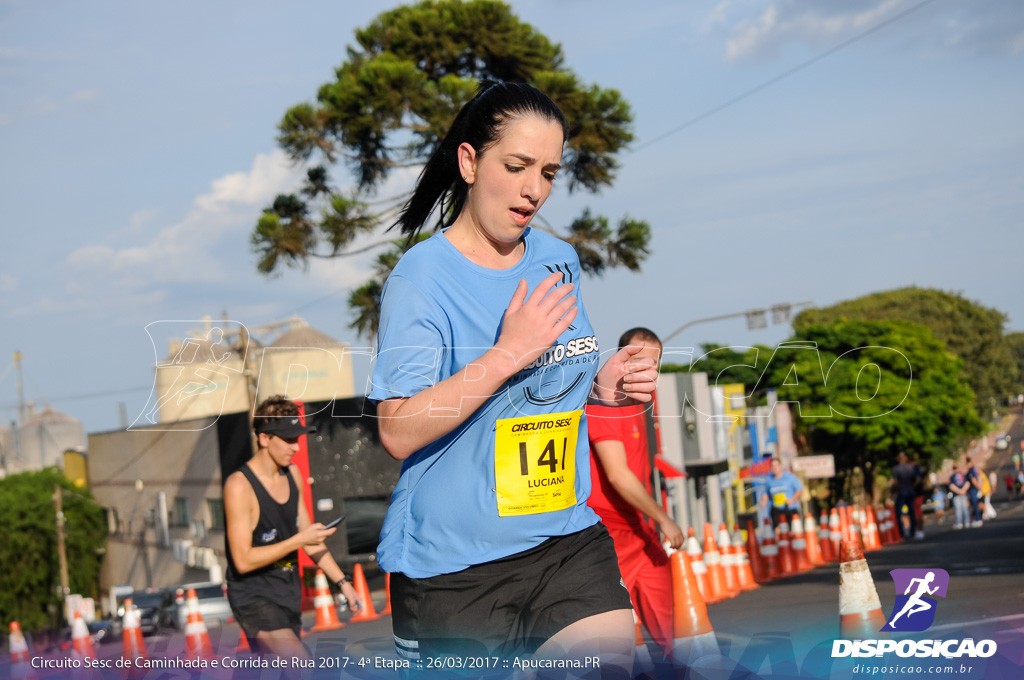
column 914, row 610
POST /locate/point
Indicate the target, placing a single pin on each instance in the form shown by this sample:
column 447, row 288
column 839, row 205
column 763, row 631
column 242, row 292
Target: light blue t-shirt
column 780, row 489
column 439, row 313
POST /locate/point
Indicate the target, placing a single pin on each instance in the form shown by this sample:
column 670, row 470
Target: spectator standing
column 973, row 491
column 958, row 484
column 939, row 502
column 906, row 476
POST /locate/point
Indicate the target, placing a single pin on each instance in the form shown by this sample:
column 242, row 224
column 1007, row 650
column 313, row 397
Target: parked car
column 1002, row 441
column 213, row 605
column 151, row 604
column 101, row 631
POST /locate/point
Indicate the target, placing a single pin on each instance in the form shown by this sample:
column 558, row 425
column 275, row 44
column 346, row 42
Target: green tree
column 1015, row 343
column 970, row 331
column 724, row 365
column 873, row 389
column 391, row 103
column 30, row 578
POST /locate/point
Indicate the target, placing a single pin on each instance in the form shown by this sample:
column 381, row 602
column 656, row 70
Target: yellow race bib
column 535, row 463
column 779, row 500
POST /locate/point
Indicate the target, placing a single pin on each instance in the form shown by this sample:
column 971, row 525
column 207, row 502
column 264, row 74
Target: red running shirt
column 623, row 424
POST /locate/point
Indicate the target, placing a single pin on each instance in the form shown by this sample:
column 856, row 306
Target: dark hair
column 274, row 407
column 479, row 123
column 640, row 333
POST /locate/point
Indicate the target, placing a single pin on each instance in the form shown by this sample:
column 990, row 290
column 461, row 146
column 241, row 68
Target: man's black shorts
column 508, row 607
column 266, row 615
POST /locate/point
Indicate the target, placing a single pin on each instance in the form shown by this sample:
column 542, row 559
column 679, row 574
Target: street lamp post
column 756, row 318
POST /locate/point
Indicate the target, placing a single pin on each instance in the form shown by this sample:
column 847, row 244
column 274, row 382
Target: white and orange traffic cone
column 872, row 540
column 197, row 637
column 133, row 646
column 798, row 544
column 21, row 658
column 787, row 560
column 729, row 562
column 835, row 531
column 770, row 551
column 81, row 641
column 692, row 633
column 813, row 546
column 744, row 570
column 825, row 539
column 860, row 611
column 326, row 614
column 713, row 561
column 700, row 569
column 366, row 611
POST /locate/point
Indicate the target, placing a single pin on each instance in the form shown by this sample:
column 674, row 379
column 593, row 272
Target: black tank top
column 278, row 582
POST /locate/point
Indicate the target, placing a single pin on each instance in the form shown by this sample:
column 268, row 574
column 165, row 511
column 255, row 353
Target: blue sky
column 137, row 149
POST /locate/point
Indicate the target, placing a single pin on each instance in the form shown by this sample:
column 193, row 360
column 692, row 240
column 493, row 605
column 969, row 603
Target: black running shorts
column 266, row 616
column 508, row 607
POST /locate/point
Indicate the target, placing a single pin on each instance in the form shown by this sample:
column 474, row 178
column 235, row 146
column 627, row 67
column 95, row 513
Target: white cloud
column 184, row 252
column 799, row 21
column 755, row 30
column 86, row 95
column 42, row 106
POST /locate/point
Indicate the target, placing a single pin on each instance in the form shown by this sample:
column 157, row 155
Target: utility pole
column 58, row 501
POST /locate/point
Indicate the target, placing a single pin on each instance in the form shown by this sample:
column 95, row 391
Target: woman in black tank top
column 264, row 535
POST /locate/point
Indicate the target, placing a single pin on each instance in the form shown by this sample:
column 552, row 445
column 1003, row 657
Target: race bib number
column 779, row 500
column 535, row 463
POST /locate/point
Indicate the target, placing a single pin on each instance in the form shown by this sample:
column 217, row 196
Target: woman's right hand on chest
column 532, row 323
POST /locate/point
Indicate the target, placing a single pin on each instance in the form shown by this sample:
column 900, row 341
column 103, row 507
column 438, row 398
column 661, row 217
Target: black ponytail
column 480, row 123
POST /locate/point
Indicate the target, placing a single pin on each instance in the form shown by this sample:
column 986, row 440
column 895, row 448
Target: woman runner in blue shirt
column 485, row 360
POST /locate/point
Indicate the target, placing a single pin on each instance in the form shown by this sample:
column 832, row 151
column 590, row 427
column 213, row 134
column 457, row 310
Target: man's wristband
column 342, row 582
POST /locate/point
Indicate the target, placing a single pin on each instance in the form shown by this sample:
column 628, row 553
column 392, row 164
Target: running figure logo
column 914, row 610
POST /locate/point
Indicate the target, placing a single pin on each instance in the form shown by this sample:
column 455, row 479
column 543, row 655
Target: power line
column 93, row 395
column 782, row 76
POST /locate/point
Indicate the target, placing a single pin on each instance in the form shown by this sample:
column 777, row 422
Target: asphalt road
column 781, row 630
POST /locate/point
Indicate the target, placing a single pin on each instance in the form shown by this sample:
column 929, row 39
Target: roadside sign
column 815, row 467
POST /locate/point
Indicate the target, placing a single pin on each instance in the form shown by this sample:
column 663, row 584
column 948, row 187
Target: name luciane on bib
column 535, row 463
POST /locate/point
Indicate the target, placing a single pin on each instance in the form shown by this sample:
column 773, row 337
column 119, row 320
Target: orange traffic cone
column 81, row 641
column 700, row 569
column 197, row 637
column 798, row 543
column 729, row 563
column 326, row 615
column 757, row 565
column 835, row 531
column 813, row 546
column 857, row 525
column 713, row 561
column 872, row 541
column 787, row 560
column 18, row 645
column 131, row 636
column 366, row 611
column 387, row 590
column 860, row 611
column 770, row 551
column 693, row 636
column 21, row 664
column 825, row 539
column 744, row 570
column 883, row 525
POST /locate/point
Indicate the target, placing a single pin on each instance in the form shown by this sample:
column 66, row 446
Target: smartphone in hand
column 334, row 523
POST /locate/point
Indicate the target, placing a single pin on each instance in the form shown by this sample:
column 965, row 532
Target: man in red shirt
column 620, row 474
